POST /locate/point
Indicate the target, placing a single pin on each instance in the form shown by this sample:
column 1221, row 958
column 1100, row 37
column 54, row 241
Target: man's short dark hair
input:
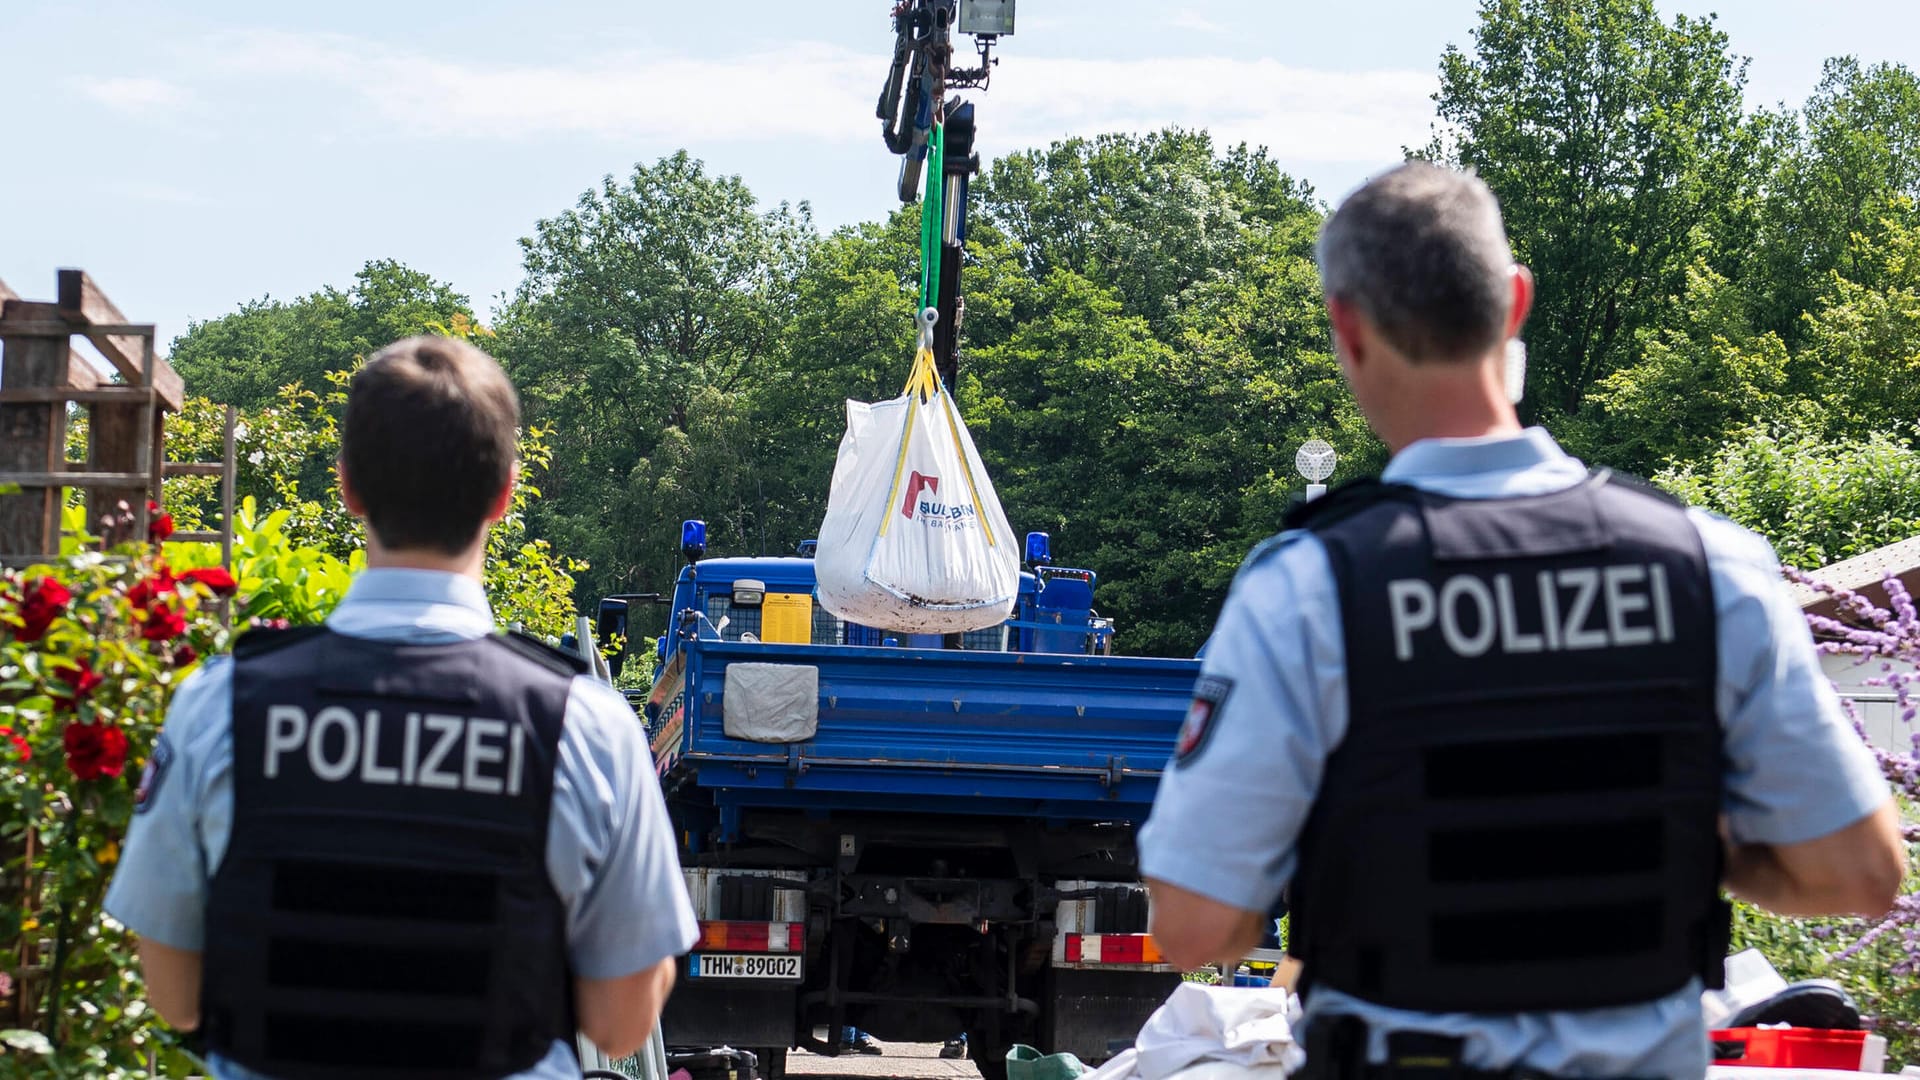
column 429, row 440
column 1422, row 252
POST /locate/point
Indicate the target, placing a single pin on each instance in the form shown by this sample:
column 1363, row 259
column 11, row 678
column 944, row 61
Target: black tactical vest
column 384, row 908
column 1522, row 815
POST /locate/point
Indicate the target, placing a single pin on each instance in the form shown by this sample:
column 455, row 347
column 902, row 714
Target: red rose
column 184, row 655
column 163, row 623
column 159, row 525
column 81, row 678
column 20, row 745
column 159, row 620
column 95, row 750
column 215, row 578
column 44, row 601
column 147, row 590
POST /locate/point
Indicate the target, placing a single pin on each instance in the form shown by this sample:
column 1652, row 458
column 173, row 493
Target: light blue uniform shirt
column 1226, row 820
column 610, row 849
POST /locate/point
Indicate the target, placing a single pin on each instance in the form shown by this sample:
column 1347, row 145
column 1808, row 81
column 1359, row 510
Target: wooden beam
column 196, row 468
column 117, row 442
column 229, row 477
column 92, row 395
column 32, row 436
column 83, row 304
column 56, row 559
column 20, row 318
column 87, row 478
column 80, row 373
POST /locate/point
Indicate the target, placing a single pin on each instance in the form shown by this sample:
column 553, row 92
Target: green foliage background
column 1729, row 300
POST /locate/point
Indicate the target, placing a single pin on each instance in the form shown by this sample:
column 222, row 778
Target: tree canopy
column 1620, row 152
column 693, row 355
column 1723, row 291
column 246, row 357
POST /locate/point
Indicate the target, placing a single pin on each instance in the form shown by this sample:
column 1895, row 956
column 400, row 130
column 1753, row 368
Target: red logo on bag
column 917, row 483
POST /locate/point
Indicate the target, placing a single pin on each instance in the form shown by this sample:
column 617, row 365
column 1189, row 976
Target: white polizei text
column 437, row 750
column 1588, row 607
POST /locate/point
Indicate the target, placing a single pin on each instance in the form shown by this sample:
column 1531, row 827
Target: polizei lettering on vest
column 1587, row 607
column 436, row 750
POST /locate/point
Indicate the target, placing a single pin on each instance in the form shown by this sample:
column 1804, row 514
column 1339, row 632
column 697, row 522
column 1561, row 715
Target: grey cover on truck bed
column 776, row 703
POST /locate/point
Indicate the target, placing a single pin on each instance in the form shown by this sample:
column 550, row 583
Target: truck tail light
column 1112, row 949
column 778, row 937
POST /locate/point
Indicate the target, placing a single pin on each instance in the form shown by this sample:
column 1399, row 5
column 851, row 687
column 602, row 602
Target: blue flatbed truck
column 916, row 836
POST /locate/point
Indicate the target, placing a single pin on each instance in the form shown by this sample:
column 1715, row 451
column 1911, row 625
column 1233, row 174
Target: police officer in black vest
column 1500, row 727
column 401, row 844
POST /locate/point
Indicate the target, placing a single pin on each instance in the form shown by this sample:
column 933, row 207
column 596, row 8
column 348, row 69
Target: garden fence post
column 33, row 354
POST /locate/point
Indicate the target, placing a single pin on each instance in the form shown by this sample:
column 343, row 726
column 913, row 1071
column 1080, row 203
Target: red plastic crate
column 1792, row 1048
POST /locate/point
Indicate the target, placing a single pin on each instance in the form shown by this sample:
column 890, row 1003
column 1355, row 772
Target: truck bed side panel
column 1060, row 730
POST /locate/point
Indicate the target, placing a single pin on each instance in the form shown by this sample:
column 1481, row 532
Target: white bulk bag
column 915, row 540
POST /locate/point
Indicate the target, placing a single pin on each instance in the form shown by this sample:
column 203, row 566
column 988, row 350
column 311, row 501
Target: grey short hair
column 1422, row 252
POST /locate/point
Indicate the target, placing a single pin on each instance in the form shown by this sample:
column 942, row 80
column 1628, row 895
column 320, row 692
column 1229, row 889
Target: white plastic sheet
column 1214, row 1033
column 914, row 539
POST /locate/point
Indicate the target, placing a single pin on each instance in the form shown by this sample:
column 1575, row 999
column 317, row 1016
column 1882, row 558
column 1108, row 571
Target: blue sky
column 196, row 155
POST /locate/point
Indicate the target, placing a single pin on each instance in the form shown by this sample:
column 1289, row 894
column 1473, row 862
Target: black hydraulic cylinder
column 945, row 332
column 961, row 163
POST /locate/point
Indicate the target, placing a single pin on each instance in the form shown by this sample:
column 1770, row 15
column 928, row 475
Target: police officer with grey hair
column 1500, row 728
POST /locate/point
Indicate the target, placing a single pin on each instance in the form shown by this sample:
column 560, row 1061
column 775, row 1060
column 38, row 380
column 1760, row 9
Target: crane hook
column 926, row 319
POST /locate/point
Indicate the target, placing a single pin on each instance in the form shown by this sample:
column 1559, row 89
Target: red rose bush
column 90, row 653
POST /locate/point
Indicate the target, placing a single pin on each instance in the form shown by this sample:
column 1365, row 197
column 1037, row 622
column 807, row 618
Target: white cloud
column 824, row 92
column 1189, row 19
column 137, row 191
column 1301, row 114
column 809, row 90
column 135, row 95
column 1034, row 25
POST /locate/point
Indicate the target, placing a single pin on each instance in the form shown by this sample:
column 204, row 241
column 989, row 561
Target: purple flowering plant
column 1876, row 959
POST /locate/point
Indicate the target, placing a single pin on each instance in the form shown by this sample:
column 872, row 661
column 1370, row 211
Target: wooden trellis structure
column 40, row 375
column 42, row 378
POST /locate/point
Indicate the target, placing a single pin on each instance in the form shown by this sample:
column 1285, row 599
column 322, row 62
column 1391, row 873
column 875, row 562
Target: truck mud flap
column 729, row 1014
column 1095, row 1014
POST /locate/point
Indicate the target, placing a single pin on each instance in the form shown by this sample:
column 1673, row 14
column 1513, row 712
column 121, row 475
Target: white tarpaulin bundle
column 915, row 540
column 1214, row 1033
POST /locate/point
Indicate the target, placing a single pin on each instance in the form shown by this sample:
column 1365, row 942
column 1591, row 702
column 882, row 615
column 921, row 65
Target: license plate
column 744, row 966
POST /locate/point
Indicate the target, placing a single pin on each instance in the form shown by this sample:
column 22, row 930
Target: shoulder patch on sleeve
column 558, row 661
column 152, row 776
column 1210, row 694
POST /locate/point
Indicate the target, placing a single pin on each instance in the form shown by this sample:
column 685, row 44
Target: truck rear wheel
column 990, row 1060
column 773, row 1061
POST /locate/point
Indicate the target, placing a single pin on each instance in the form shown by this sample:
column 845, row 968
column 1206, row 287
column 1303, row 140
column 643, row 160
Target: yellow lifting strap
column 923, row 385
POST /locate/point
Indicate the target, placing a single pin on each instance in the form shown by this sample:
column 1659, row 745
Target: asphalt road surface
column 918, row 1061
